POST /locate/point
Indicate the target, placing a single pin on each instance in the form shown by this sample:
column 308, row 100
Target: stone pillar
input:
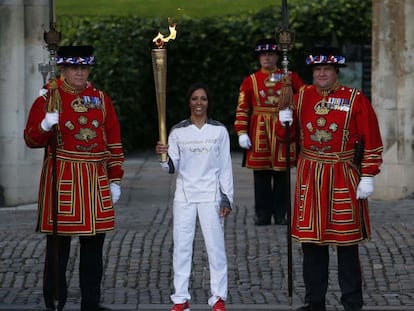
column 22, row 23
column 392, row 94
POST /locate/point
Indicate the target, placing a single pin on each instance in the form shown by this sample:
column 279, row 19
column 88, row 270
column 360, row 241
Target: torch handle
column 159, row 66
column 161, row 108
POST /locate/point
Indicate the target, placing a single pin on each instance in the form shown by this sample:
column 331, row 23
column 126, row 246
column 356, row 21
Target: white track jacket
column 202, row 160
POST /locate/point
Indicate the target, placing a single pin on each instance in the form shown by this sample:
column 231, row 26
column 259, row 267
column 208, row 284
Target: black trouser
column 90, row 270
column 270, row 190
column 315, row 275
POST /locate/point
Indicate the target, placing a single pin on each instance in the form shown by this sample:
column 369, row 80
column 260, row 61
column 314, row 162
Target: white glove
column 365, row 187
column 115, row 192
column 244, row 141
column 286, row 115
column 165, row 167
column 42, row 91
column 51, row 118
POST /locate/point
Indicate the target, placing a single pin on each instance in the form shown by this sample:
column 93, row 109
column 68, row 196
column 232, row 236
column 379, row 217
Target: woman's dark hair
column 196, row 86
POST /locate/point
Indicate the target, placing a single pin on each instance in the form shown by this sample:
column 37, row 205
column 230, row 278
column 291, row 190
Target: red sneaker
column 219, row 306
column 181, row 307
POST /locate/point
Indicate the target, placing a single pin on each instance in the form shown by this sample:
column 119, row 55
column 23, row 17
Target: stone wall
column 392, row 94
column 22, row 23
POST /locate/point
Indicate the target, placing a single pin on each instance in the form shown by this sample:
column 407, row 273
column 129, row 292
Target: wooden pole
column 285, row 40
column 52, row 39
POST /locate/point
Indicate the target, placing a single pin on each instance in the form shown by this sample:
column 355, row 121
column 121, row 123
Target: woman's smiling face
column 198, row 103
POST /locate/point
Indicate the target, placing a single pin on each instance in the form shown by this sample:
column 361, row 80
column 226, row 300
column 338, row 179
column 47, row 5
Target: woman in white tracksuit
column 199, row 153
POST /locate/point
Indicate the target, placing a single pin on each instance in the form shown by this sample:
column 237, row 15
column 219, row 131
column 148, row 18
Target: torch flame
column 160, row 40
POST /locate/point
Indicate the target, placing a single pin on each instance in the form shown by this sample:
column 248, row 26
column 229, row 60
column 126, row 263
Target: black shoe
column 352, row 308
column 312, row 307
column 262, row 221
column 59, row 308
column 97, row 308
column 280, row 221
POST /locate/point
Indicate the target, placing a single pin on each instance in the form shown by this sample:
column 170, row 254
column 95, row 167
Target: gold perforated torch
column 159, row 66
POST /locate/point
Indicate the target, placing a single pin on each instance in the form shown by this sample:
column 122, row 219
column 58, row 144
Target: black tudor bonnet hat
column 266, row 45
column 75, row 55
column 325, row 55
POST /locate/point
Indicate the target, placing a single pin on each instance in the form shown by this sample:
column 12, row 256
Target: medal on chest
column 270, row 94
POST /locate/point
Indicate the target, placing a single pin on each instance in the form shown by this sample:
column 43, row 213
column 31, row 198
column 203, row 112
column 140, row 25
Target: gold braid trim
column 329, row 91
column 286, row 93
column 70, row 89
column 54, row 102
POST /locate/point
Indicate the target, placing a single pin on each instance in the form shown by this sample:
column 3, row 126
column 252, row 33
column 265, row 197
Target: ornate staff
column 159, row 67
column 286, row 38
column 52, row 39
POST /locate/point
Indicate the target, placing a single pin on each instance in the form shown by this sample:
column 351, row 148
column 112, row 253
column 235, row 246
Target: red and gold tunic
column 326, row 210
column 257, row 116
column 89, row 156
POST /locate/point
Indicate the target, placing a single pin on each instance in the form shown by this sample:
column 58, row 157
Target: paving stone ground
column 138, row 253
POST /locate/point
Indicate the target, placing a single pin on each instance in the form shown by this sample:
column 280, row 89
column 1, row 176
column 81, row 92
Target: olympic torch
column 159, row 66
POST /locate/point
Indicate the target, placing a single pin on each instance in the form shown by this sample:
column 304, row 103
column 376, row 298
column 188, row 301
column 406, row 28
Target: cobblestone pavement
column 138, row 253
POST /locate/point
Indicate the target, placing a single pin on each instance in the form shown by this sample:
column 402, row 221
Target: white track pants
column 185, row 220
